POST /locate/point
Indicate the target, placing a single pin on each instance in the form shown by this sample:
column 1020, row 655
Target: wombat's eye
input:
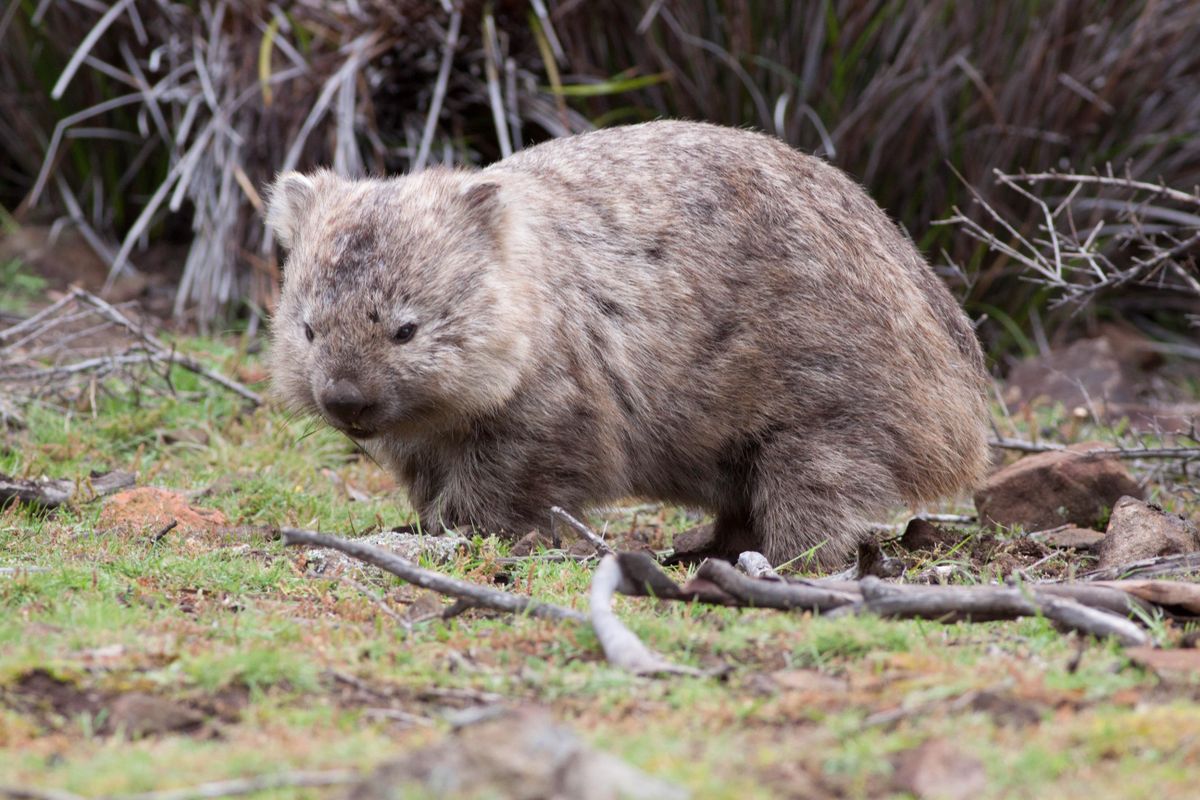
column 404, row 333
column 308, row 333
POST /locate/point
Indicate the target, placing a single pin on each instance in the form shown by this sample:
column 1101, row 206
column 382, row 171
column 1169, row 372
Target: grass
column 19, row 286
column 211, row 619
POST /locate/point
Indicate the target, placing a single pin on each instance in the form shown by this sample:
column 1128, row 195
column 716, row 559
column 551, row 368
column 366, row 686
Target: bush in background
column 170, row 116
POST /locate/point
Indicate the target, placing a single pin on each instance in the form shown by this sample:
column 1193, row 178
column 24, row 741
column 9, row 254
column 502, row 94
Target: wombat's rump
column 672, row 310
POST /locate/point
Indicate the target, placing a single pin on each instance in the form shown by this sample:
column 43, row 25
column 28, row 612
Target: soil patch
column 55, row 703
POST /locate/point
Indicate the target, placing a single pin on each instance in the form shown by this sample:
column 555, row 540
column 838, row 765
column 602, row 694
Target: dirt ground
column 163, row 637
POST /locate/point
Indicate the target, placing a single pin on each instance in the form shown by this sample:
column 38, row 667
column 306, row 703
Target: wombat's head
column 398, row 313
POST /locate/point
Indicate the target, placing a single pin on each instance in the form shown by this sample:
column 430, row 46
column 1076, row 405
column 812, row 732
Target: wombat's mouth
column 355, row 432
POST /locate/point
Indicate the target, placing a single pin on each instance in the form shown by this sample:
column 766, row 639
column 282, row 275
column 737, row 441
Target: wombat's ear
column 288, row 199
column 483, row 199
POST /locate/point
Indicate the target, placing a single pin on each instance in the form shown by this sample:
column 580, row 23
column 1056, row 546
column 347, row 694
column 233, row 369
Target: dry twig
column 1078, row 263
column 621, row 646
column 759, row 593
column 986, row 603
column 51, row 493
column 1020, row 445
column 427, row 579
column 243, row 786
column 206, row 791
column 36, row 355
column 1161, row 567
column 583, row 530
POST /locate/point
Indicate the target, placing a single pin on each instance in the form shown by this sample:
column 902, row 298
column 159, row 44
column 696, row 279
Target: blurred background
column 1043, row 155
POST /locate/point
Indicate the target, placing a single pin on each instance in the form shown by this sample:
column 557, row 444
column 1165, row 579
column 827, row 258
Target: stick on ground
column 986, row 603
column 621, row 646
column 244, row 786
column 427, row 579
column 583, row 530
column 761, row 593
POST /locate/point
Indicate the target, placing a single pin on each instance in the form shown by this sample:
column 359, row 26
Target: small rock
column 693, row 540
column 1138, row 530
column 530, row 543
column 1047, row 490
column 194, row 436
column 411, row 546
column 1159, row 418
column 581, row 548
column 138, row 715
column 1069, row 537
column 1007, row 709
column 1167, row 664
column 938, row 770
column 872, row 560
column 1116, row 375
column 522, row 754
column 921, row 534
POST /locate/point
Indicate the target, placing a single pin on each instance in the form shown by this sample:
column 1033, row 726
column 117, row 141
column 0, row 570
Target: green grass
column 207, row 614
column 18, row 286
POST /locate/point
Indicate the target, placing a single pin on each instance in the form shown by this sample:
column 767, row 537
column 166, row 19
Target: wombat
column 673, row 310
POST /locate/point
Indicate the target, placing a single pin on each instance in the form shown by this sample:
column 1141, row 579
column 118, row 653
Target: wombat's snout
column 346, row 405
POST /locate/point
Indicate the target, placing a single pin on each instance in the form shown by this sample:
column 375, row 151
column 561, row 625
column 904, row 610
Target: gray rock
column 405, row 544
column 1070, row 537
column 523, row 755
column 1138, row 530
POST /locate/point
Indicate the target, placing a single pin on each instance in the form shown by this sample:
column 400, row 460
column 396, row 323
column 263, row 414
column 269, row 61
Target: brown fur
column 672, row 310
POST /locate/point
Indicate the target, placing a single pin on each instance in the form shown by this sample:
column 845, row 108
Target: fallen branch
column 31, row 793
column 388, row 561
column 205, row 791
column 990, row 603
column 52, row 493
column 1020, row 445
column 243, row 786
column 1097, row 610
column 1180, row 596
column 1093, row 609
column 583, row 530
column 163, row 352
column 621, row 646
column 146, row 349
column 1182, row 564
column 760, row 593
column 1109, row 598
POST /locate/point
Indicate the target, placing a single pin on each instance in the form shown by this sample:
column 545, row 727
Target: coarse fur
column 672, row 310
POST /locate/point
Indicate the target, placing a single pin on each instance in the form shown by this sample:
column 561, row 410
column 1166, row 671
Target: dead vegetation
column 81, row 345
column 1104, row 239
column 167, row 118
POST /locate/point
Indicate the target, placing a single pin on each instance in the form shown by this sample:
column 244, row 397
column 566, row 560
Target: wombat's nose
column 345, row 402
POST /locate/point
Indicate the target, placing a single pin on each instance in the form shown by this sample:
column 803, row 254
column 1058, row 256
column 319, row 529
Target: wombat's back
column 734, row 292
